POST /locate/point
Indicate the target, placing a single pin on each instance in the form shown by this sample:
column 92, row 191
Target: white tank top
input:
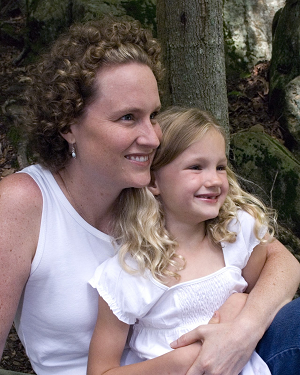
column 57, row 313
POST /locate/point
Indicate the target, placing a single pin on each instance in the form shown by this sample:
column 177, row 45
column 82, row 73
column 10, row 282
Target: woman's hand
column 226, row 347
column 217, row 357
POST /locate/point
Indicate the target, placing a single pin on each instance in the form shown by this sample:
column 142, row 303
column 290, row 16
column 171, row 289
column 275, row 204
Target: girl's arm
column 228, row 346
column 108, row 342
column 230, row 309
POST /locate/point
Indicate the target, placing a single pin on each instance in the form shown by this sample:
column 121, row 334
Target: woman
column 93, row 104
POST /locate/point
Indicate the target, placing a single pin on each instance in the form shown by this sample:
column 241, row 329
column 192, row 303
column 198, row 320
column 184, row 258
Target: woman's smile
column 118, row 135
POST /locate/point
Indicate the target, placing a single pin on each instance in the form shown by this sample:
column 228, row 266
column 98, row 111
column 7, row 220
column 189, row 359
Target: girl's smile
column 193, row 187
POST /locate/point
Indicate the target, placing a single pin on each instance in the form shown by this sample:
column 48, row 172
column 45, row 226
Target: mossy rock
column 292, row 242
column 274, row 173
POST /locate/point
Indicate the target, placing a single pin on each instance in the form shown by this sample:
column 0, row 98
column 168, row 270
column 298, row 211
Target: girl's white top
column 161, row 314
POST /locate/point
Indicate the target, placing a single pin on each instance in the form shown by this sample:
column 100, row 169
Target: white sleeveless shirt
column 58, row 310
column 160, row 314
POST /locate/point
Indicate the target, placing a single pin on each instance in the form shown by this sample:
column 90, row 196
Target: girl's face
column 117, row 136
column 193, row 187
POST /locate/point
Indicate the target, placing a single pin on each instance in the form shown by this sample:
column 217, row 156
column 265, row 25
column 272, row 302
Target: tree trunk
column 191, row 33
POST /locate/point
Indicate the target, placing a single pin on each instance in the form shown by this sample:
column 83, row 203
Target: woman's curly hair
column 63, row 82
column 140, row 229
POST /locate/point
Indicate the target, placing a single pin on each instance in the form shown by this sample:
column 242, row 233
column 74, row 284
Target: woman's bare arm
column 20, row 216
column 228, row 346
column 108, row 343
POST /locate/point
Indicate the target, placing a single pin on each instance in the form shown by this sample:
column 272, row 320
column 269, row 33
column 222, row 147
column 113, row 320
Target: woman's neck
column 93, row 203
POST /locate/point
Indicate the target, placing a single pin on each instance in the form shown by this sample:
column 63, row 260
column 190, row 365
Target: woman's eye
column 127, row 117
column 153, row 115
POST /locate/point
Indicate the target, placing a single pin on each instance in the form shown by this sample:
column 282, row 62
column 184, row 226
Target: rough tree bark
column 191, row 33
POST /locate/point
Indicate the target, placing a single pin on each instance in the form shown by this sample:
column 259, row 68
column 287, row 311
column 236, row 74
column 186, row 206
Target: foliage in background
column 44, row 20
column 144, row 11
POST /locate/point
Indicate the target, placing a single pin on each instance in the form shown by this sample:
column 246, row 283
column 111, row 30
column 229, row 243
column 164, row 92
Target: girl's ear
column 153, row 186
column 153, row 190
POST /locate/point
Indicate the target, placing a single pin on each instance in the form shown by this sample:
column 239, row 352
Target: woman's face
column 117, row 136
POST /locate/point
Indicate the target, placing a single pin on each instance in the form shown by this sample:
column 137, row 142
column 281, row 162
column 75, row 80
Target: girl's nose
column 213, row 179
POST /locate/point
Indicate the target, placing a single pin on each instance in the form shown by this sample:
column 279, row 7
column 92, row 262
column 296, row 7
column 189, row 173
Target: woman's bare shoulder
column 21, row 205
column 20, row 216
column 20, row 188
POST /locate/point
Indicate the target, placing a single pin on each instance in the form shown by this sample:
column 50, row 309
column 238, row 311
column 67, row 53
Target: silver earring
column 73, row 152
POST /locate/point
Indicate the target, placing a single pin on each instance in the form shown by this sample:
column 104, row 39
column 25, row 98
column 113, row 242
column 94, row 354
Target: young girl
column 187, row 244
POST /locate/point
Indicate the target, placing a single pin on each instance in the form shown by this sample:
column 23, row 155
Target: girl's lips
column 208, row 196
column 207, row 200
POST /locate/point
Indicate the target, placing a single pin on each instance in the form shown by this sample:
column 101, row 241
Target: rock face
column 248, row 31
column 285, row 72
column 274, row 173
column 274, row 168
column 290, row 119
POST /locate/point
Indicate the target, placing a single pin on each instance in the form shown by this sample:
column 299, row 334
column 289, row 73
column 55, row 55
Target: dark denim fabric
column 280, row 345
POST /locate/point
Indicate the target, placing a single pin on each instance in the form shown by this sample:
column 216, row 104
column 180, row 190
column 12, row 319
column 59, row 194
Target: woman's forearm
column 228, row 346
column 275, row 287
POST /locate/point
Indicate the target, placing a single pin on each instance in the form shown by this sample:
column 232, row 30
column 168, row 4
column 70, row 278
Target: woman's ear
column 69, row 136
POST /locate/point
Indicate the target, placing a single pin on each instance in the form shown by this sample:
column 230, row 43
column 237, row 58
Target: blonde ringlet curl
column 140, row 232
column 140, row 227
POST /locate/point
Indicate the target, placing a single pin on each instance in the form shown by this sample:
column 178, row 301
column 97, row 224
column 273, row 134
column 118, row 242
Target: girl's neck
column 185, row 233
column 202, row 257
column 200, row 260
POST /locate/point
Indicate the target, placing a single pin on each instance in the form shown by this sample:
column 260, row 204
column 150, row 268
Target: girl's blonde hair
column 139, row 227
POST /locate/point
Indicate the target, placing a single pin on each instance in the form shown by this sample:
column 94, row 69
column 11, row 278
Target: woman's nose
column 150, row 135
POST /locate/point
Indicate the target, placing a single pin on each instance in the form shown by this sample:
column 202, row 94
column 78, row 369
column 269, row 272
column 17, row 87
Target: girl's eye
column 127, row 117
column 195, row 167
column 221, row 168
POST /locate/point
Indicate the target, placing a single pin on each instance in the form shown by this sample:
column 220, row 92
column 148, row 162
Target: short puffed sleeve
column 238, row 253
column 129, row 296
